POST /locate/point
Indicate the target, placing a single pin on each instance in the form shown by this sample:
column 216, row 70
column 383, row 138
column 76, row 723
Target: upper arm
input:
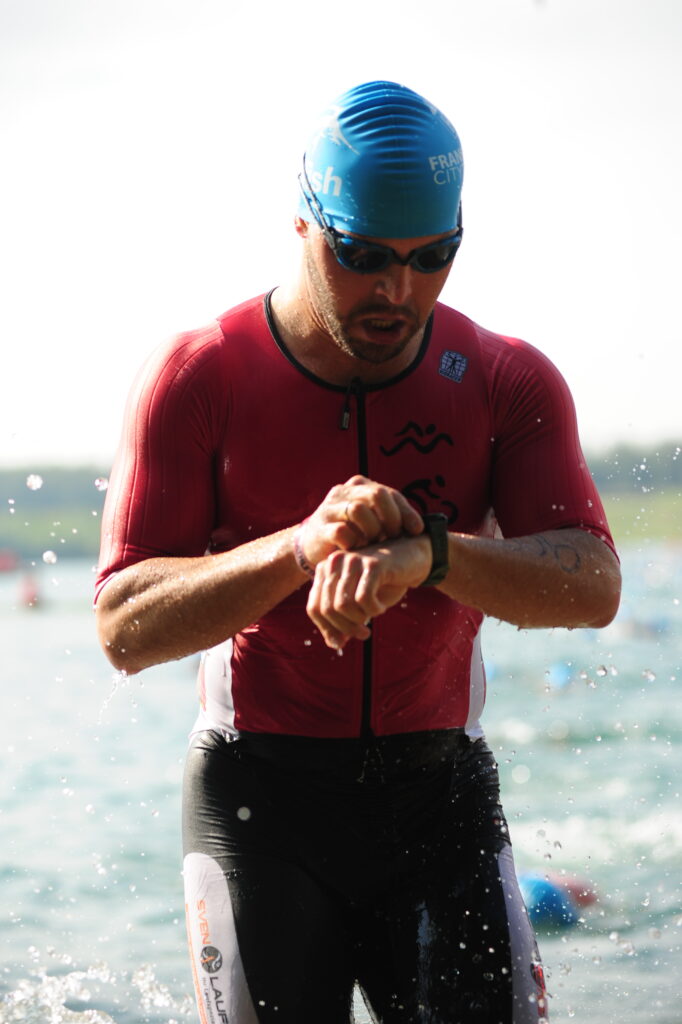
column 160, row 499
column 541, row 480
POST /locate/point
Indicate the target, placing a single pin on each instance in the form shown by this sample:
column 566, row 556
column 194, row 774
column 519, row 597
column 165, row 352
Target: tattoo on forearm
column 565, row 554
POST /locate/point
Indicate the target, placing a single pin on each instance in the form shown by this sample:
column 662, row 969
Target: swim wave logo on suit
column 424, row 492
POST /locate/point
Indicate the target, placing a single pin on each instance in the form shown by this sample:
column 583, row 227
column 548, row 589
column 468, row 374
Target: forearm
column 162, row 609
column 560, row 578
column 165, row 608
column 563, row 578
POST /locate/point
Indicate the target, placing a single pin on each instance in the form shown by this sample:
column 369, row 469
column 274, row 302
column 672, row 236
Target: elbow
column 115, row 642
column 609, row 601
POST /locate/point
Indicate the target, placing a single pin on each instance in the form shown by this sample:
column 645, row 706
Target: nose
column 395, row 284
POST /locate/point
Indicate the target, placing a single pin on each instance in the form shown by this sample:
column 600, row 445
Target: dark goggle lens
column 361, row 259
column 364, row 259
column 436, row 257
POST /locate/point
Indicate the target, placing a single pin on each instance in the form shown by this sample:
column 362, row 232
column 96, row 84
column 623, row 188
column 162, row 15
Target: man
column 326, row 490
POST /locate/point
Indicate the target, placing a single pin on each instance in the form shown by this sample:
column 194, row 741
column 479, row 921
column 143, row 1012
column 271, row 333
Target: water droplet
column 101, row 483
column 34, row 482
column 602, row 670
column 648, row 675
column 521, row 774
column 89, row 809
column 49, row 557
column 244, row 813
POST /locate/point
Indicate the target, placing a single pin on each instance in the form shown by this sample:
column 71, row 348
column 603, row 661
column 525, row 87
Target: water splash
column 119, row 679
column 34, row 482
column 42, row 998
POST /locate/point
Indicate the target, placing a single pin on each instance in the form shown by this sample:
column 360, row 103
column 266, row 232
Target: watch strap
column 436, row 527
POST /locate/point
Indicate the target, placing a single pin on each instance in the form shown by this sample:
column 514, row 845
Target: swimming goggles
column 364, row 257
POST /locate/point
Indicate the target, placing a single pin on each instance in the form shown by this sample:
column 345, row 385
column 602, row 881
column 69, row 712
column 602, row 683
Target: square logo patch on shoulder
column 453, row 365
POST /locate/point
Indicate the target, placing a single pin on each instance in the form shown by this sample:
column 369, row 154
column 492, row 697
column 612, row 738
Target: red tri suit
column 227, row 438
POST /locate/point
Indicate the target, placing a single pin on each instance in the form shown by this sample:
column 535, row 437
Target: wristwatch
column 436, row 526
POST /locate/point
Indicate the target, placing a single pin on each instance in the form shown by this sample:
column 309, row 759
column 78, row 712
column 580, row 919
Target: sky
column 148, row 183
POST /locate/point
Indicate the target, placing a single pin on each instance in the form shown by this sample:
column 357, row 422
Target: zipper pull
column 354, row 388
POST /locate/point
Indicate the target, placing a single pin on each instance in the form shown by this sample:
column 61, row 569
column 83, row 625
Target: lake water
column 586, row 726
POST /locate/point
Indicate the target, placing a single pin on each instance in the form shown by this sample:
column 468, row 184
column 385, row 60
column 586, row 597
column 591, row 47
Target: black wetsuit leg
column 386, row 868
column 268, row 943
column 449, row 940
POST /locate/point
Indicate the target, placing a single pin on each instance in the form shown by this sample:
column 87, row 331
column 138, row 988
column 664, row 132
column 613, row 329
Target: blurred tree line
column 59, row 509
column 51, row 509
column 626, row 469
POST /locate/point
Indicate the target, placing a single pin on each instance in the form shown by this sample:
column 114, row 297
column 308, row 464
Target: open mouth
column 383, row 325
column 383, row 328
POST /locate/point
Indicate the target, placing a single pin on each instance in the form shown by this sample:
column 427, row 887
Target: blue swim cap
column 385, row 163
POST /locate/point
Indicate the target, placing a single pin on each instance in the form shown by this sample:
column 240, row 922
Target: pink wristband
column 299, row 553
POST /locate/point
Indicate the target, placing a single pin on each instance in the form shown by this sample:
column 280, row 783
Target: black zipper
column 356, row 390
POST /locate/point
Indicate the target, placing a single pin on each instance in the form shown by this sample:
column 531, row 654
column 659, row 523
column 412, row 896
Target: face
column 371, row 317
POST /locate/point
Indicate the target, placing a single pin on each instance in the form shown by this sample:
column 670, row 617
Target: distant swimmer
column 325, row 490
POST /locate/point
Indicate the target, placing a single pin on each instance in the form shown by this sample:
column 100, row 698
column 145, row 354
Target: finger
column 381, row 512
column 346, row 610
column 411, row 521
column 367, row 591
column 338, row 606
column 387, row 508
column 360, row 517
column 332, row 637
column 331, row 606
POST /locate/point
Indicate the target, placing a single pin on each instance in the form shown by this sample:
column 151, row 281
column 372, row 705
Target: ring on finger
column 345, row 512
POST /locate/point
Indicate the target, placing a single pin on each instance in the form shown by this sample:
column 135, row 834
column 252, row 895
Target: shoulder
column 507, row 360
column 178, row 360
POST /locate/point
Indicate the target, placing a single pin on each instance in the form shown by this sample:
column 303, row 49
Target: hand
column 354, row 514
column 352, row 587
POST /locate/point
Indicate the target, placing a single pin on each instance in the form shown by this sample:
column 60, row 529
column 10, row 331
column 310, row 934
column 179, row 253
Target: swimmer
column 325, row 490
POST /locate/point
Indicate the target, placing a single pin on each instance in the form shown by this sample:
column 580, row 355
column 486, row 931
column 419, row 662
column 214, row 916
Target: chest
column 287, row 441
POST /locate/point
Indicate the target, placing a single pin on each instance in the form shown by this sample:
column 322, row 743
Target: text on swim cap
column 322, row 182
column 446, row 167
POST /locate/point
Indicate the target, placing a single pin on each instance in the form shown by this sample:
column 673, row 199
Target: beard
column 340, row 329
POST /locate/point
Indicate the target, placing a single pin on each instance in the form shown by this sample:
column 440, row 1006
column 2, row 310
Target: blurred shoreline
column 55, row 510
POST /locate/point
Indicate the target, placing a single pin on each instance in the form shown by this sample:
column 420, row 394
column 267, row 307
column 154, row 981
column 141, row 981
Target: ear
column 301, row 227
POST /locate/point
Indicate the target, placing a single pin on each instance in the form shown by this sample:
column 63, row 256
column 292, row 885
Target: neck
column 315, row 349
